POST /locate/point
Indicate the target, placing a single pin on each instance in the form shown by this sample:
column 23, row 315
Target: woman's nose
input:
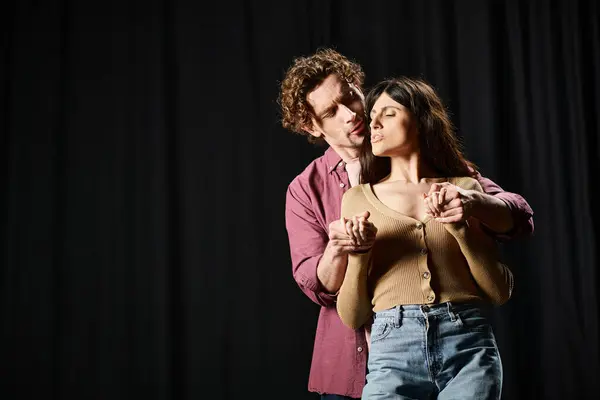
column 374, row 123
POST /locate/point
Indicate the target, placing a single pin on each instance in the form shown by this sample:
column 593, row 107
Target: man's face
column 338, row 113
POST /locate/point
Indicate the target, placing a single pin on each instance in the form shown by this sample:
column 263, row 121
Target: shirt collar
column 332, row 159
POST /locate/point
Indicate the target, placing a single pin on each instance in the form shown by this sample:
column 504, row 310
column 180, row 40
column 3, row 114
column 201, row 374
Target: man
column 321, row 98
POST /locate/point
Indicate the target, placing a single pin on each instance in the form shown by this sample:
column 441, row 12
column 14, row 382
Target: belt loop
column 454, row 317
column 398, row 317
column 451, row 312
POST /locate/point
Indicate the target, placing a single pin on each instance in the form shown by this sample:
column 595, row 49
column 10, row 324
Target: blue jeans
column 444, row 351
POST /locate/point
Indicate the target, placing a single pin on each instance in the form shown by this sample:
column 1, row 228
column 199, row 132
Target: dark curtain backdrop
column 144, row 170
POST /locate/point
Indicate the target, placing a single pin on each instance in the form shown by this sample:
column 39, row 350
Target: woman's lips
column 376, row 137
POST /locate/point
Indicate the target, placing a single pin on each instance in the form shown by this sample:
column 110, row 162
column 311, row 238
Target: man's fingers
column 335, row 235
column 362, row 248
column 447, row 220
column 344, row 243
column 452, row 212
column 455, row 204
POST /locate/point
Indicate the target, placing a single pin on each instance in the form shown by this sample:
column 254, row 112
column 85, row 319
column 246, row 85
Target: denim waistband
column 422, row 310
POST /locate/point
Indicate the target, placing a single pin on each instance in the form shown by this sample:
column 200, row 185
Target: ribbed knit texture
column 418, row 262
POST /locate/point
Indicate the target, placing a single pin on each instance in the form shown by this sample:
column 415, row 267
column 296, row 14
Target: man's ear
column 310, row 129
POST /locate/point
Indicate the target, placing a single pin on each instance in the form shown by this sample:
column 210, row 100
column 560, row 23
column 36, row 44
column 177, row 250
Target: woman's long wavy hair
column 439, row 146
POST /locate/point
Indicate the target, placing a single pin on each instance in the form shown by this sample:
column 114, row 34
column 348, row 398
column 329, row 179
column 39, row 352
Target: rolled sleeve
column 308, row 241
column 522, row 213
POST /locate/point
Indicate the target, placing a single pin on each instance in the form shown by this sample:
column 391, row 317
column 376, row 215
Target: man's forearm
column 331, row 270
column 492, row 212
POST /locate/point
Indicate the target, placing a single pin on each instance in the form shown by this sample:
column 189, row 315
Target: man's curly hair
column 303, row 76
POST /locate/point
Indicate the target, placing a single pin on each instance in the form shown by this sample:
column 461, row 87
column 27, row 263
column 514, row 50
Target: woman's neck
column 410, row 169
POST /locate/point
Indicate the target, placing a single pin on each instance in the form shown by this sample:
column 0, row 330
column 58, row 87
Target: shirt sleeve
column 521, row 211
column 308, row 241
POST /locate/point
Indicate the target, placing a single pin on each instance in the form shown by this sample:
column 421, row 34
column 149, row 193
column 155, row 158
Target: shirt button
column 342, row 184
column 430, row 297
column 419, row 225
column 425, row 275
column 360, row 349
column 423, row 251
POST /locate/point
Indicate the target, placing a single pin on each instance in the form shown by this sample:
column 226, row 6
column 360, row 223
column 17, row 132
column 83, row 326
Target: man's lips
column 358, row 128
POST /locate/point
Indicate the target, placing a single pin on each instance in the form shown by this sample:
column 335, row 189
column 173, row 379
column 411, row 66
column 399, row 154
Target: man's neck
column 348, row 154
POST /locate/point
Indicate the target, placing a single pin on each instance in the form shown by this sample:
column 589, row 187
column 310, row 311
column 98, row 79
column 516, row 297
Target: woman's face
column 393, row 128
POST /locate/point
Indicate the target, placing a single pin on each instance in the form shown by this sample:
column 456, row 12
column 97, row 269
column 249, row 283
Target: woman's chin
column 377, row 152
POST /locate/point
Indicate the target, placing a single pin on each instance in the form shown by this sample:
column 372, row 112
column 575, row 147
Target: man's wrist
column 494, row 213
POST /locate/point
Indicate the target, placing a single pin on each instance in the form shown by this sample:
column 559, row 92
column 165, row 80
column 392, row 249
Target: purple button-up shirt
column 313, row 201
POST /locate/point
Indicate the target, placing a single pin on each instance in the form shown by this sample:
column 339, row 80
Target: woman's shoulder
column 355, row 198
column 466, row 182
column 356, row 192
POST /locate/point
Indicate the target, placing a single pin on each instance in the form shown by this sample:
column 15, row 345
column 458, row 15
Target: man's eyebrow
column 338, row 99
column 325, row 111
column 345, row 92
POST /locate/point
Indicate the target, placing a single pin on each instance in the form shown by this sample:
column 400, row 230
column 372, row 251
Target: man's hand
column 361, row 231
column 351, row 234
column 448, row 203
column 344, row 237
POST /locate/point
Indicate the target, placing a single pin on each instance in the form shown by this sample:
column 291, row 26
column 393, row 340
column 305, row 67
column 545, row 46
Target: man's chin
column 357, row 138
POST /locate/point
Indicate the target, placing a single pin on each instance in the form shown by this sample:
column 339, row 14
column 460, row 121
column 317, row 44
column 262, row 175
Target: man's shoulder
column 315, row 170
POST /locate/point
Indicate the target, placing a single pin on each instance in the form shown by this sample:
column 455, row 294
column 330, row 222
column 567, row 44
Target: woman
column 425, row 281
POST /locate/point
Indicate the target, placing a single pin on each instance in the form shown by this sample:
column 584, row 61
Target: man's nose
column 349, row 115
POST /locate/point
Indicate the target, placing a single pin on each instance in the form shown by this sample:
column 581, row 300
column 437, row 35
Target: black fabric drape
column 144, row 169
